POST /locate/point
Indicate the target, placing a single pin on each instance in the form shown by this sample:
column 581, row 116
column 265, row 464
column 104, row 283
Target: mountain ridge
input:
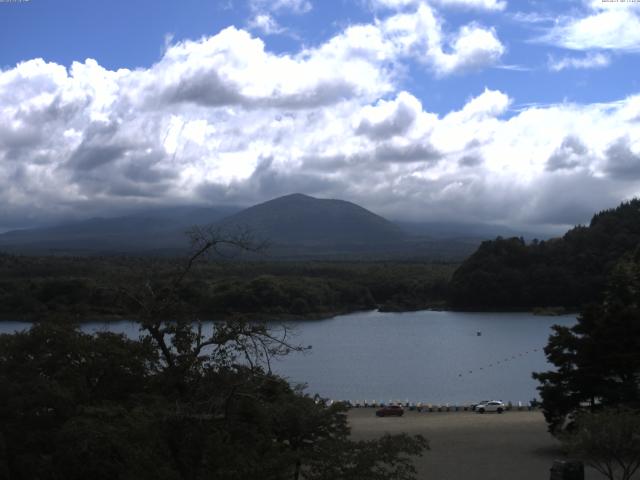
column 302, row 220
column 296, row 226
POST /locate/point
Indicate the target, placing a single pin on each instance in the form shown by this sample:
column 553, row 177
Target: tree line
column 571, row 271
column 87, row 287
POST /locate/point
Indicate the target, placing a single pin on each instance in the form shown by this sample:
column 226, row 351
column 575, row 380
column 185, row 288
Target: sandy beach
column 467, row 445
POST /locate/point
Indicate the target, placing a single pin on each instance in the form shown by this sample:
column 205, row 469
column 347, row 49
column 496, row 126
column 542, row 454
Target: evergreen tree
column 598, row 359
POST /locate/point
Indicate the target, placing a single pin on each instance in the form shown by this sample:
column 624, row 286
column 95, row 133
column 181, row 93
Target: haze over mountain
column 295, row 226
column 150, row 231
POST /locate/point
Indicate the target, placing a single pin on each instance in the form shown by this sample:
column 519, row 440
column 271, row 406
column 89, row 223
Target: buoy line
column 499, row 362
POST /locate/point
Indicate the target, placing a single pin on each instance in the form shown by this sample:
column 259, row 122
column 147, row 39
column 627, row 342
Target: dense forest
column 563, row 272
column 50, row 287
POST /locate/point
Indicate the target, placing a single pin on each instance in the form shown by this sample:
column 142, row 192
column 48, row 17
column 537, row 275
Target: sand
column 467, row 445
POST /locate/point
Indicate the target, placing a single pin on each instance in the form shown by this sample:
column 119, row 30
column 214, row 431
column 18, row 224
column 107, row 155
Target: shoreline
column 308, row 317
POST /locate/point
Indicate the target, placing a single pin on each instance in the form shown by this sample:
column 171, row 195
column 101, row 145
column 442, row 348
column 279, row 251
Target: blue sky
column 523, row 113
column 125, row 34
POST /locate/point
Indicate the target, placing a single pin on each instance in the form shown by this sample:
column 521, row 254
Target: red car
column 390, row 410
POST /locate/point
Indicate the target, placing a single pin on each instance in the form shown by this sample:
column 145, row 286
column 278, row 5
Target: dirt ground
column 471, row 446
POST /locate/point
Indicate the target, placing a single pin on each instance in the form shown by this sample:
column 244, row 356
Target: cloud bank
column 224, row 120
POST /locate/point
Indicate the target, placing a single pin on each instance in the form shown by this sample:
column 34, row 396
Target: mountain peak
column 299, row 219
column 292, row 197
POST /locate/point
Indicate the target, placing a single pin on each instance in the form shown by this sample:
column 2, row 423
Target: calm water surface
column 423, row 356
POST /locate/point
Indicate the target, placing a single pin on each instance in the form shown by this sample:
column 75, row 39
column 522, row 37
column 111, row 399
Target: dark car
column 390, row 410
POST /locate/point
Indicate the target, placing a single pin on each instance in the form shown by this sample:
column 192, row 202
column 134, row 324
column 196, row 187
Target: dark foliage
column 569, row 271
column 86, row 287
column 597, row 360
column 176, row 404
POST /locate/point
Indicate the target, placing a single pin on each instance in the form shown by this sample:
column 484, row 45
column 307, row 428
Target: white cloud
column 608, row 26
column 394, row 4
column 571, row 154
column 490, row 103
column 266, row 24
column 473, row 48
column 233, row 68
column 474, row 4
column 622, row 161
column 388, row 118
column 223, row 120
column 419, row 35
column 533, row 17
column 289, row 6
column 466, row 4
column 591, row 60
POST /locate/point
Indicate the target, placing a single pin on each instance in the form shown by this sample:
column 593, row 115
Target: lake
column 427, row 356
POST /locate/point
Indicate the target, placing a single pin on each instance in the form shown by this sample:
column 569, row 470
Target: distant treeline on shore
column 84, row 288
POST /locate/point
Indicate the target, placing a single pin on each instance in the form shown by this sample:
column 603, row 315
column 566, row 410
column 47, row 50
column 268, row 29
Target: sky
column 523, row 113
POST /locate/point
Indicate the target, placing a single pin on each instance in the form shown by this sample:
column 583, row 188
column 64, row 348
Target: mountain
column 295, row 227
column 303, row 221
column 508, row 273
column 154, row 230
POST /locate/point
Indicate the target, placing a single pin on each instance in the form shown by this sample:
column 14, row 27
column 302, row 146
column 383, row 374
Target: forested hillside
column 568, row 271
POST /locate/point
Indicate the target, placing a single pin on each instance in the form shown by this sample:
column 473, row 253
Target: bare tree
column 175, row 329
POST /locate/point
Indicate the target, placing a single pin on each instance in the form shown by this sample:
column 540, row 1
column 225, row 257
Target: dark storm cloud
column 15, row 141
column 135, row 174
column 568, row 199
column 326, row 164
column 472, row 160
column 323, row 94
column 206, row 88
column 203, row 88
column 37, row 125
column 465, row 198
column 568, row 156
column 554, row 202
column 89, row 157
column 143, row 168
column 120, row 163
column 57, row 111
column 473, row 144
column 396, row 124
column 270, row 182
column 267, row 181
column 125, row 189
column 388, row 152
column 98, row 147
column 621, row 162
